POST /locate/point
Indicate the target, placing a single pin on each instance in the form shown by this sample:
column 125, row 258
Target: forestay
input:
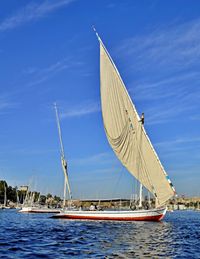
column 126, row 133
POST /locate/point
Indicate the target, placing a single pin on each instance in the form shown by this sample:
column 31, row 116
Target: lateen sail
column 126, row 133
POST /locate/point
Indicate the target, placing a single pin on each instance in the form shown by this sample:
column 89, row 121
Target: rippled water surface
column 38, row 236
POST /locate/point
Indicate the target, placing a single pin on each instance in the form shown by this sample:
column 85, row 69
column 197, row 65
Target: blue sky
column 49, row 53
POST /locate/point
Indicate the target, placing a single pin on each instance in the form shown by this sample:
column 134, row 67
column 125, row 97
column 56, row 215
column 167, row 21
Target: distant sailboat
column 29, row 205
column 39, row 209
column 128, row 139
column 18, row 205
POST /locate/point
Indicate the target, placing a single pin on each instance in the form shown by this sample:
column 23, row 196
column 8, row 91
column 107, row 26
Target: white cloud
column 195, row 117
column 43, row 74
column 6, row 104
column 166, row 112
column 168, row 60
column 178, row 151
column 97, row 159
column 179, row 141
column 26, row 151
column 32, row 12
column 176, row 86
column 81, row 110
column 176, row 47
column 38, row 75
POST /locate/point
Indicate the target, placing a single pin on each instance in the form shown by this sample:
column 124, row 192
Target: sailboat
column 127, row 137
column 29, row 205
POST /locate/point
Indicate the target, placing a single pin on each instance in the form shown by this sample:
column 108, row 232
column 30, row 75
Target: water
column 38, row 236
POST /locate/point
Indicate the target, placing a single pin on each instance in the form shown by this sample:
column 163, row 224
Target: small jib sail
column 126, row 134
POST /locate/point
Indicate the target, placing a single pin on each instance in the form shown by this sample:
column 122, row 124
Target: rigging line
column 137, row 156
column 130, row 145
column 127, row 137
column 117, row 182
column 142, row 158
column 132, row 155
column 139, row 148
column 146, row 171
column 123, row 138
column 159, row 162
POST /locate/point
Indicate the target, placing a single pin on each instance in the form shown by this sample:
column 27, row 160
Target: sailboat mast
column 63, row 161
column 17, row 198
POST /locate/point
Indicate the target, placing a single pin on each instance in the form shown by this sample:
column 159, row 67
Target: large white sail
column 126, row 133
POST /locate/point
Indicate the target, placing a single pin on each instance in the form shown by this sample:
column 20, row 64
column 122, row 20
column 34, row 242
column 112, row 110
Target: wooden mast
column 63, row 161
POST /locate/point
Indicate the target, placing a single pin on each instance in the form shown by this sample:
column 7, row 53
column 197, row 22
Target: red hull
column 145, row 218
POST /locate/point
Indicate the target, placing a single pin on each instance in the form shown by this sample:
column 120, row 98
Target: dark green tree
column 3, row 184
column 12, row 194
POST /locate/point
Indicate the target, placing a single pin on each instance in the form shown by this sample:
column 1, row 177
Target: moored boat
column 120, row 215
column 39, row 210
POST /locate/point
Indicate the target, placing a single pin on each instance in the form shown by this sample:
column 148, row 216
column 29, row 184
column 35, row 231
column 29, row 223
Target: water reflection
column 143, row 239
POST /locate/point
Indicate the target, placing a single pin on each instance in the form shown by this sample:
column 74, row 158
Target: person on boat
column 133, row 206
column 92, row 207
column 146, row 205
column 99, row 208
column 142, row 119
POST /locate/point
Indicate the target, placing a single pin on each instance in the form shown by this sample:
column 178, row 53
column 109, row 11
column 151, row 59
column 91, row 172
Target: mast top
column 95, row 31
